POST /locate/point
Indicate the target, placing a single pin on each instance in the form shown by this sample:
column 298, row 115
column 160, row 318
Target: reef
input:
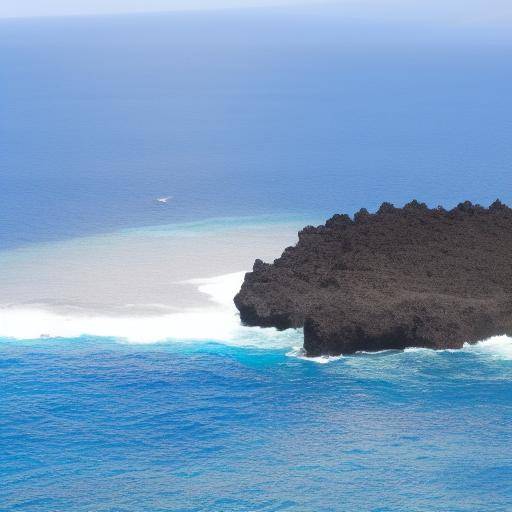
column 397, row 278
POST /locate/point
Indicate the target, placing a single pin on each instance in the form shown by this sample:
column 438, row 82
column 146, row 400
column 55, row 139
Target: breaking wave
column 499, row 347
column 216, row 322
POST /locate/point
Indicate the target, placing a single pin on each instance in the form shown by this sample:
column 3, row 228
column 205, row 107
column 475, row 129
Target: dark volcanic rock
column 402, row 277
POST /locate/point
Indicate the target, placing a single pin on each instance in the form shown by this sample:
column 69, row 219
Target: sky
column 21, row 8
column 455, row 11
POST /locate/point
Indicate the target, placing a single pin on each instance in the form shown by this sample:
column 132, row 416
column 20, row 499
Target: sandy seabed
column 145, row 284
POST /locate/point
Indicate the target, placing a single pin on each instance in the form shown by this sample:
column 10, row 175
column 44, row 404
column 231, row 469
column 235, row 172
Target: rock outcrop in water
column 398, row 278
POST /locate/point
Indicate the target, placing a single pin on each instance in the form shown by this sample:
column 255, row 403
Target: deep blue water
column 242, row 114
column 93, row 425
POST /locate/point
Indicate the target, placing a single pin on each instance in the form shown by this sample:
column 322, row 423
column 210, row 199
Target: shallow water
column 139, row 271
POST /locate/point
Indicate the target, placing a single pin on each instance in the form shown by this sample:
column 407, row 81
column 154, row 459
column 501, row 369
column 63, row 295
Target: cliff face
column 402, row 277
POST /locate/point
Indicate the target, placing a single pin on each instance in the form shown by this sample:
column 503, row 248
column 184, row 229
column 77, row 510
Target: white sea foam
column 498, row 347
column 218, row 321
column 422, row 350
column 299, row 352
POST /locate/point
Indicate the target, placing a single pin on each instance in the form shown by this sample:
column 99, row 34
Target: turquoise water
column 90, row 424
column 255, row 117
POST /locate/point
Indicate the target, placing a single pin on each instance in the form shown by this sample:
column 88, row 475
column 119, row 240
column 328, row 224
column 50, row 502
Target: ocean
column 145, row 162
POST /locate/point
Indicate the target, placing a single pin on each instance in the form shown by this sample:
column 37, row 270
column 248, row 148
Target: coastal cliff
column 398, row 278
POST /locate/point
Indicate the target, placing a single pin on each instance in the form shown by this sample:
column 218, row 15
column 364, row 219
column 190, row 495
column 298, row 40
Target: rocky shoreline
column 398, row 278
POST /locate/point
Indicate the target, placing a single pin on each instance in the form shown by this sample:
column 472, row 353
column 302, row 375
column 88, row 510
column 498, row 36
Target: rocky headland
column 397, row 278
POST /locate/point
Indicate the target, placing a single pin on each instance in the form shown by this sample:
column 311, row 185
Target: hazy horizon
column 472, row 12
